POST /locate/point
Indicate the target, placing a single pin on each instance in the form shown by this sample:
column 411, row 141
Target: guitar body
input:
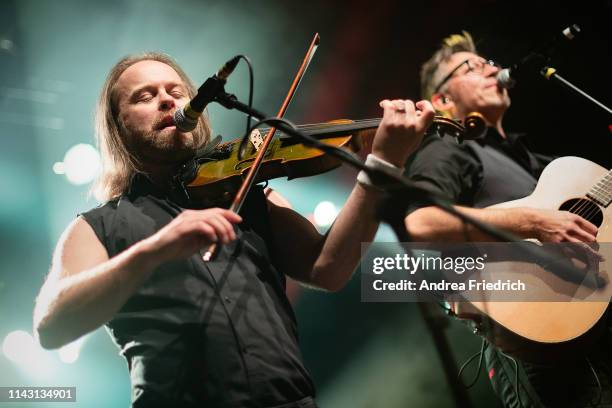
column 548, row 331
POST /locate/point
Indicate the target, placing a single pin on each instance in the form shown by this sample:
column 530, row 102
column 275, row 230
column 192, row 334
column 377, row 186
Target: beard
column 162, row 145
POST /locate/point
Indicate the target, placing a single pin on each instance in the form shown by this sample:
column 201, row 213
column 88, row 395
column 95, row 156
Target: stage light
column 58, row 168
column 7, row 45
column 19, row 346
column 22, row 349
column 81, row 164
column 325, row 213
column 70, row 352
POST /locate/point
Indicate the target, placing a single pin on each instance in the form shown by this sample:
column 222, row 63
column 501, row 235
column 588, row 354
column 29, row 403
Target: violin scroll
column 475, row 126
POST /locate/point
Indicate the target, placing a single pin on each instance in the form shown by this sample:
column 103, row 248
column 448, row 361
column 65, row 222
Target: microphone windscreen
column 184, row 122
column 504, row 79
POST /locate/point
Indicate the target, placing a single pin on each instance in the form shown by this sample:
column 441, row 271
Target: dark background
column 54, row 57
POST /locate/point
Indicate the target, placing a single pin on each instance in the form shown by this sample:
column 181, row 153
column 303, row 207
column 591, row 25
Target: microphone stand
column 435, row 321
column 544, row 53
column 551, row 73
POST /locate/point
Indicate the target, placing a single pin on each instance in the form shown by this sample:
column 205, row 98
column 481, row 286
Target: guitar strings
column 591, row 207
column 579, row 205
column 585, row 208
column 591, row 212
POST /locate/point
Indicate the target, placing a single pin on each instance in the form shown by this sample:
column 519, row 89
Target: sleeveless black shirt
column 214, row 334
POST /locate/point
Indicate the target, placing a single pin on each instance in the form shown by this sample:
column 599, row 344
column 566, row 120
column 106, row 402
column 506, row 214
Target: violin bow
column 249, row 180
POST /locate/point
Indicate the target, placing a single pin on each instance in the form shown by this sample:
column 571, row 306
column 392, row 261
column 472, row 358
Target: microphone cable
column 480, row 354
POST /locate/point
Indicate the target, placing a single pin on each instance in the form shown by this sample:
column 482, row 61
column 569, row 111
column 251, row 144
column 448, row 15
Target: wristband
column 376, row 162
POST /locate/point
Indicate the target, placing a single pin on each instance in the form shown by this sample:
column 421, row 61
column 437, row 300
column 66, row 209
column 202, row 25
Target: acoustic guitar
column 543, row 331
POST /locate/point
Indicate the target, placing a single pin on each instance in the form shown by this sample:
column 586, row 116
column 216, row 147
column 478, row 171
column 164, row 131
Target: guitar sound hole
column 585, row 208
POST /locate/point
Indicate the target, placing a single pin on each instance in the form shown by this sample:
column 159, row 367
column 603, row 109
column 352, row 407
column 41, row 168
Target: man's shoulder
column 101, row 209
column 120, row 221
column 105, row 214
column 436, row 151
column 445, row 144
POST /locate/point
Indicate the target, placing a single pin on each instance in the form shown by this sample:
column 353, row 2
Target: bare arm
column 433, row 224
column 324, row 261
column 85, row 288
column 329, row 261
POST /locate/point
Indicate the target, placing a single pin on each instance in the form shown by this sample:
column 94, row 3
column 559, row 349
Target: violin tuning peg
column 475, row 126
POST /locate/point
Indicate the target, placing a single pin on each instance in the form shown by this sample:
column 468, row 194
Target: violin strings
column 354, row 125
column 343, row 127
column 340, row 126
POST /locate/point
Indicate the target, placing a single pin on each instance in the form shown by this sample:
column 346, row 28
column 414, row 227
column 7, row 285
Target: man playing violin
column 476, row 174
column 220, row 333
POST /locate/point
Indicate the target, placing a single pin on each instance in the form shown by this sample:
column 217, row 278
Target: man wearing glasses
column 476, row 174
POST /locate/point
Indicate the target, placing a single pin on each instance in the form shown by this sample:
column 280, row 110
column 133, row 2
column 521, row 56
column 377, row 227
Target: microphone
column 506, row 78
column 186, row 118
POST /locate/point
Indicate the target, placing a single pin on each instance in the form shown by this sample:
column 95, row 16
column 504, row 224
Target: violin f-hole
column 243, row 164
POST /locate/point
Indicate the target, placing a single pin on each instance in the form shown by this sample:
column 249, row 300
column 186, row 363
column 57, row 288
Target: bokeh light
column 81, row 164
column 19, row 346
column 325, row 213
column 69, row 354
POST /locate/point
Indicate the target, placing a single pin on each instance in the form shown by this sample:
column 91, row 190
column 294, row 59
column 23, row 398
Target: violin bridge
column 256, row 139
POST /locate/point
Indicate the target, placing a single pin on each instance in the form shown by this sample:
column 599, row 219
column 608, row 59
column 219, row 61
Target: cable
column 444, row 305
column 271, row 120
column 306, row 139
column 249, row 116
column 598, row 383
column 483, row 347
column 516, row 377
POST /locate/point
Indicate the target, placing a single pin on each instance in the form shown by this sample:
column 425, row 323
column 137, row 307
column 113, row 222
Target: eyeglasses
column 473, row 65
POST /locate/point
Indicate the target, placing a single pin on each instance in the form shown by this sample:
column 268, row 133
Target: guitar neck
column 601, row 192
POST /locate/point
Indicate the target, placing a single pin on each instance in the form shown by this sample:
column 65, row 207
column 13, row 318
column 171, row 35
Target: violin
column 222, row 174
column 216, row 175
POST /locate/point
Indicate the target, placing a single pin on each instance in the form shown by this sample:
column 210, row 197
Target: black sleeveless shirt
column 214, row 334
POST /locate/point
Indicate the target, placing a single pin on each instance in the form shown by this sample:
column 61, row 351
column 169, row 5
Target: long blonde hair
column 119, row 165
